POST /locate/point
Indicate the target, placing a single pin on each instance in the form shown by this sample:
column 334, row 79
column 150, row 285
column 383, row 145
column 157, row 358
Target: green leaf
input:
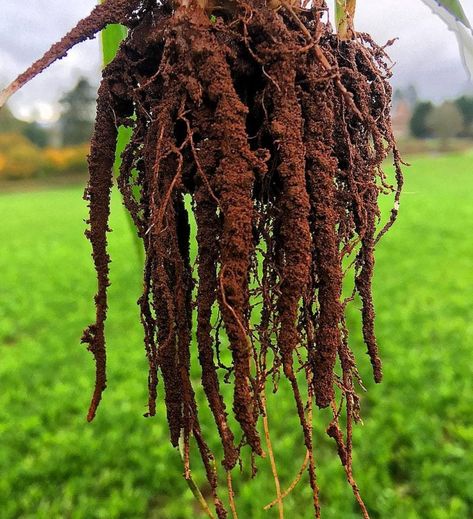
column 445, row 9
column 112, row 36
column 454, row 7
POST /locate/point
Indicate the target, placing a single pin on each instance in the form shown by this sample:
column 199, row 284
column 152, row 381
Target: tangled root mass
column 277, row 130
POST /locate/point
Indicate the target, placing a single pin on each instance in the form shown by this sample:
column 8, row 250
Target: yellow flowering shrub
column 19, row 157
column 68, row 160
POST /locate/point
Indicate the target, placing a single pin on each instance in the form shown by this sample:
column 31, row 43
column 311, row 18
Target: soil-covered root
column 101, row 160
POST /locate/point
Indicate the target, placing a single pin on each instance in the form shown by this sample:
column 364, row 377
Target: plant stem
column 345, row 14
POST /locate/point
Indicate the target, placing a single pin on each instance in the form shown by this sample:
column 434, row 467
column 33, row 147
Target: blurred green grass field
column 414, row 453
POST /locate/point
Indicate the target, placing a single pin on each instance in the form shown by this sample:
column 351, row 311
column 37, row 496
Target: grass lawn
column 414, row 453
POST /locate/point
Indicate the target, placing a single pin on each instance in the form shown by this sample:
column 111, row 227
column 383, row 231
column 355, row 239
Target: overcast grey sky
column 426, row 53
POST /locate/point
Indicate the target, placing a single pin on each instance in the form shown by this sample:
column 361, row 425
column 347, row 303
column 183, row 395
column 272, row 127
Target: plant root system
column 276, row 130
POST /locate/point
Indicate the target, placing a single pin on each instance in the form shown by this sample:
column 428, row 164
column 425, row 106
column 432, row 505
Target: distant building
column 401, row 117
column 404, row 102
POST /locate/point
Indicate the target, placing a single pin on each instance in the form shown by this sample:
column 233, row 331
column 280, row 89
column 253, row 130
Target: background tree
column 37, row 134
column 465, row 106
column 419, row 122
column 445, row 121
column 78, row 110
column 33, row 131
column 9, row 123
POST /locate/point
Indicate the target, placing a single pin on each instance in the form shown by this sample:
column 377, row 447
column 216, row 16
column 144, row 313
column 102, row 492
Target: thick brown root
column 101, row 159
column 112, row 11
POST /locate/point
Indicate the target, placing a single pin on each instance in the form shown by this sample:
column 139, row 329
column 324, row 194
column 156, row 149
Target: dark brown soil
column 277, row 130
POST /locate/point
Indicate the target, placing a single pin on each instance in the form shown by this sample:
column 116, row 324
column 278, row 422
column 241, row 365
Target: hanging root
column 321, row 174
column 276, row 130
column 207, row 224
column 234, row 179
column 277, row 484
column 112, row 11
column 101, row 159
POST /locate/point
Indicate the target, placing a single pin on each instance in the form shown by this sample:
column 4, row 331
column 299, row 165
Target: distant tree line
column 448, row 120
column 29, row 149
column 35, row 133
column 74, row 126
